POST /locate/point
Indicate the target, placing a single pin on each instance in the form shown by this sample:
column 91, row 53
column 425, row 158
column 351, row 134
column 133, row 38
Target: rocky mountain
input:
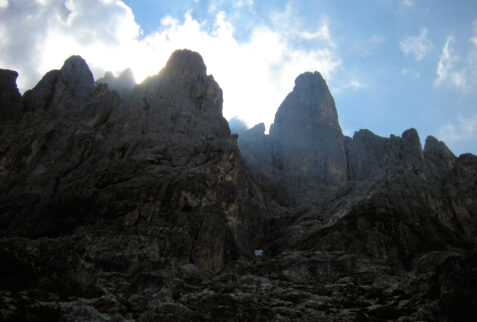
column 305, row 148
column 145, row 207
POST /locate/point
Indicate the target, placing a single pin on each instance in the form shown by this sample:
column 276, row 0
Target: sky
column 390, row 64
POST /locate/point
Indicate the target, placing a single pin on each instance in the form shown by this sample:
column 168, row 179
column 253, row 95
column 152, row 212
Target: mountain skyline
column 148, row 208
column 390, row 65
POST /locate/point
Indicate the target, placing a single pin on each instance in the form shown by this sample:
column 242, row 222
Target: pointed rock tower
column 304, row 153
column 307, row 141
column 61, row 88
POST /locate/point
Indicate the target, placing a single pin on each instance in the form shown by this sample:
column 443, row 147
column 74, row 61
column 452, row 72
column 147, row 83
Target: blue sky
column 390, row 64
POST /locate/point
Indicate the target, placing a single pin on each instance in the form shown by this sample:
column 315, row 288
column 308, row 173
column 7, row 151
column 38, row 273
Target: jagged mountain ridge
column 143, row 208
column 329, row 177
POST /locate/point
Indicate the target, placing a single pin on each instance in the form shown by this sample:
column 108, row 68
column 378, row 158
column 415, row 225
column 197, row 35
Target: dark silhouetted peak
column 41, row 95
column 182, row 99
column 8, row 79
column 10, row 99
column 307, row 139
column 62, row 88
column 252, row 138
column 258, row 129
column 411, row 137
column 439, row 159
column 168, row 143
column 369, row 154
column 309, row 110
column 256, row 149
column 310, row 81
column 366, row 154
column 253, row 135
column 123, row 84
column 438, row 148
column 365, row 135
column 237, row 126
column 431, row 143
column 127, row 75
column 187, row 64
column 77, row 77
column 116, row 209
column 107, row 78
column 411, row 148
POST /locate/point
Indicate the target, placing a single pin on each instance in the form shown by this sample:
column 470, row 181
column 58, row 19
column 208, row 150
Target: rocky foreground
column 137, row 203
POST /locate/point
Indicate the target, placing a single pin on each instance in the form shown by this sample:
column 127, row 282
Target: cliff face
column 92, row 184
column 307, row 143
column 382, row 197
column 10, row 98
column 305, row 148
column 138, row 205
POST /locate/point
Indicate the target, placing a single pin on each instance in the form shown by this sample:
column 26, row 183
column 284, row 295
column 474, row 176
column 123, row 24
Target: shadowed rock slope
column 140, row 207
column 96, row 189
column 385, row 199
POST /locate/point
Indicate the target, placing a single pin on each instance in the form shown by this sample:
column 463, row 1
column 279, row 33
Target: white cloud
column 3, row 4
column 473, row 39
column 446, row 62
column 323, row 32
column 353, row 84
column 40, row 35
column 377, row 40
column 455, row 71
column 408, row 3
column 419, row 46
column 412, row 74
column 374, row 42
column 244, row 3
column 465, row 128
column 286, row 23
column 255, row 74
column 459, row 72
